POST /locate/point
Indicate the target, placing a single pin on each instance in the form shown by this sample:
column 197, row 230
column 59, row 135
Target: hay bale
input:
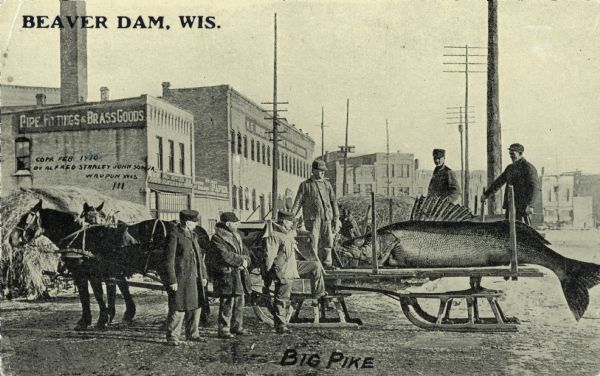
column 360, row 208
column 23, row 269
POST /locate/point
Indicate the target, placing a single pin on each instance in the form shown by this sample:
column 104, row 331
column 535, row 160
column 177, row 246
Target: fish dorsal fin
column 433, row 208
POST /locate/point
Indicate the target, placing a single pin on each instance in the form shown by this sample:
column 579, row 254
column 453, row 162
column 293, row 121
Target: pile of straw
column 22, row 270
column 360, row 207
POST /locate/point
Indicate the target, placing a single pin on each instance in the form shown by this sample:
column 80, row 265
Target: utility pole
column 494, row 142
column 323, row 126
column 452, row 119
column 276, row 132
column 346, row 149
column 387, row 136
column 467, row 64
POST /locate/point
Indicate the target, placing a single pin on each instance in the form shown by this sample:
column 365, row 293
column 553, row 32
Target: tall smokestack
column 73, row 55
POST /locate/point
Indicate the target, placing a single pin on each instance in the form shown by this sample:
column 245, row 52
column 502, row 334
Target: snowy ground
column 37, row 337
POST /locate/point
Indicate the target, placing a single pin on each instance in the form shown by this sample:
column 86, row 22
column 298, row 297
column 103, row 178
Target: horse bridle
column 35, row 219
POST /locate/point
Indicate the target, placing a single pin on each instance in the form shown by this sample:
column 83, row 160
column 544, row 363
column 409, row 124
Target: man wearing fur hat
column 320, row 211
column 228, row 260
column 443, row 183
column 185, row 270
column 282, row 267
column 523, row 176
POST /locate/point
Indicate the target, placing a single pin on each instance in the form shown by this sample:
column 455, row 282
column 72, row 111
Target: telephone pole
column 323, row 126
column 387, row 136
column 494, row 142
column 346, row 149
column 452, row 119
column 276, row 132
column 466, row 64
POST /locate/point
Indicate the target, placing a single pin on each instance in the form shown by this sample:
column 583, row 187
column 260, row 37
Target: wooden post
column 482, row 214
column 494, row 136
column 374, row 245
column 513, row 234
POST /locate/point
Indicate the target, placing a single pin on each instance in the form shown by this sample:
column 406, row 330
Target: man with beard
column 228, row 259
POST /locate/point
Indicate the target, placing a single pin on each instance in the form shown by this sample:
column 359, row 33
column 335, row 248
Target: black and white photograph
column 287, row 187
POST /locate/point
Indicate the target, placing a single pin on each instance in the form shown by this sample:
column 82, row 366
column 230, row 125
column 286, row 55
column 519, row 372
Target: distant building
column 233, row 143
column 372, row 172
column 564, row 203
column 17, row 95
column 589, row 186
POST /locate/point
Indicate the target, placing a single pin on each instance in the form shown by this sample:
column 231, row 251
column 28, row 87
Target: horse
column 96, row 252
column 96, row 216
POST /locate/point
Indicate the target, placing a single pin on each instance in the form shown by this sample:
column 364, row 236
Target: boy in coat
column 228, row 260
column 184, row 271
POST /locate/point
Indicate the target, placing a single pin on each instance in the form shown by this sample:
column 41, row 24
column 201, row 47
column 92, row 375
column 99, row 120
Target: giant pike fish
column 426, row 243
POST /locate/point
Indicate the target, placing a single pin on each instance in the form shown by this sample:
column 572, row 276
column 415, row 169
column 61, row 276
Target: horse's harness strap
column 156, row 221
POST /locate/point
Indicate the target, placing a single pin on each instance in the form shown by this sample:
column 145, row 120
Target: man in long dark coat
column 320, row 211
column 228, row 260
column 184, row 272
column 523, row 176
column 443, row 183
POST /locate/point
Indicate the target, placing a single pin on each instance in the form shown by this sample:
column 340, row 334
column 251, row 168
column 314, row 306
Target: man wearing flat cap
column 185, row 273
column 443, row 183
column 228, row 260
column 523, row 176
column 283, row 269
column 320, row 211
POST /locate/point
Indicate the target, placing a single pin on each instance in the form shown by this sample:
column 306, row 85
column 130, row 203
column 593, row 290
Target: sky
column 386, row 57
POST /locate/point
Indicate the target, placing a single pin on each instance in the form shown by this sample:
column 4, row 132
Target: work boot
column 282, row 329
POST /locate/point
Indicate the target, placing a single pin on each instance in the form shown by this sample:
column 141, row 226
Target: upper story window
column 232, row 141
column 252, row 149
column 23, row 153
column 239, row 143
column 245, row 147
column 181, row 158
column 171, row 156
column 268, row 155
column 159, row 153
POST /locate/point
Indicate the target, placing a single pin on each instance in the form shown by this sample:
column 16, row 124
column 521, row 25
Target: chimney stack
column 165, row 88
column 103, row 93
column 40, row 99
column 73, row 55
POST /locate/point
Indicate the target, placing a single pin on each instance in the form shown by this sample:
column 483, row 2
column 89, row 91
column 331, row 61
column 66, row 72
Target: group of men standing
column 521, row 174
column 189, row 252
column 186, row 274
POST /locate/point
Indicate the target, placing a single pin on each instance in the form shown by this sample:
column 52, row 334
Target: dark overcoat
column 523, row 176
column 224, row 257
column 444, row 184
column 184, row 266
column 317, row 200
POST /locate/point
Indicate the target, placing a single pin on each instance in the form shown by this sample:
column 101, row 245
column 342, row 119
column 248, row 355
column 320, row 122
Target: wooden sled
column 262, row 305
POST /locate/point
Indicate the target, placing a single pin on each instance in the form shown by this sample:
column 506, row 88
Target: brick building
column 369, row 173
column 18, row 95
column 566, row 202
column 234, row 150
column 137, row 149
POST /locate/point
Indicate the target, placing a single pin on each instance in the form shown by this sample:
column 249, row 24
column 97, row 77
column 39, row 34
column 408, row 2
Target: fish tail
column 579, row 278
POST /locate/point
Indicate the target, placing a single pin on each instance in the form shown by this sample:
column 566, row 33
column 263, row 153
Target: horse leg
column 111, row 297
column 84, row 299
column 129, row 304
column 99, row 294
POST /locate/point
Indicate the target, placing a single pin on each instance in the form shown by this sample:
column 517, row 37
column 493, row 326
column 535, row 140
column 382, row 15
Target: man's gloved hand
column 204, row 282
column 173, row 287
column 244, row 264
column 529, row 210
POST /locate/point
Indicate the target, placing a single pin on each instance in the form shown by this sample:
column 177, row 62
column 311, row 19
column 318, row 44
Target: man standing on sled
column 282, row 267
